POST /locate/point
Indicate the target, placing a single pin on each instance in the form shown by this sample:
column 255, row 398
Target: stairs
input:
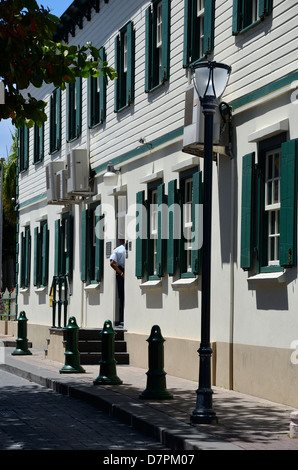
column 90, row 346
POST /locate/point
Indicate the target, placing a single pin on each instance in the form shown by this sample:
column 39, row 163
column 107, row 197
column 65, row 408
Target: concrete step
column 90, row 346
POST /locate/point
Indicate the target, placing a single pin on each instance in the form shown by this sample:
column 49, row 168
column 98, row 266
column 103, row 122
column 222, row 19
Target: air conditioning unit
column 193, row 134
column 61, row 181
column 51, row 180
column 78, row 172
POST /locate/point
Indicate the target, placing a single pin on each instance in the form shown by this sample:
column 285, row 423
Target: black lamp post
column 211, row 79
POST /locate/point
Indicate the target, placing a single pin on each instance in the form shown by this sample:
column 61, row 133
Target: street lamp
column 211, row 79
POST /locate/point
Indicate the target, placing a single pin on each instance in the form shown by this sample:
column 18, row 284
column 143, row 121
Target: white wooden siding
column 265, row 53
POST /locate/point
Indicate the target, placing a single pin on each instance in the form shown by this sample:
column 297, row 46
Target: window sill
column 151, row 284
column 40, row 290
column 91, row 288
column 24, row 290
column 185, row 283
column 268, row 278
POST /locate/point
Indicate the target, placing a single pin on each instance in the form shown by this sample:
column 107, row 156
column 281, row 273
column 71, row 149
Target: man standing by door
column 117, row 262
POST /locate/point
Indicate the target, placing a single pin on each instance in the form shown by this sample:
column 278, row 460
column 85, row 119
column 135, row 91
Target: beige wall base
column 264, row 372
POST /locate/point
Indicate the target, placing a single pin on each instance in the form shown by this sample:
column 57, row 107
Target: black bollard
column 22, row 342
column 72, row 355
column 107, row 371
column 156, row 376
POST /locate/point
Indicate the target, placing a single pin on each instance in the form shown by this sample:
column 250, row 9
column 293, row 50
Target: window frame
column 154, row 80
column 243, row 14
column 92, row 245
column 145, row 245
column 64, row 246
column 192, row 32
column 38, row 151
column 25, row 258
column 254, row 223
column 97, row 97
column 74, row 109
column 55, row 121
column 125, row 67
column 23, row 148
column 41, row 254
column 176, row 253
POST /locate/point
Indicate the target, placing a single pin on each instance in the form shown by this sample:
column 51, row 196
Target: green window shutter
column 148, row 49
column 26, row 148
column 209, row 26
column 22, row 260
column 98, row 245
column 52, row 123
column 27, row 257
column 45, row 254
column 248, row 162
column 130, row 64
column 116, row 82
column 197, row 200
column 69, row 246
column 161, row 229
column 187, row 30
column 236, row 26
column 84, row 229
column 36, row 272
column 265, row 8
column 41, row 143
column 57, row 268
column 58, row 119
column 165, row 51
column 141, row 234
column 69, row 111
column 78, row 85
column 174, row 224
column 91, row 101
column 102, row 89
column 288, row 195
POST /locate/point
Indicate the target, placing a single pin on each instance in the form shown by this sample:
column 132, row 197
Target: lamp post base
column 204, row 414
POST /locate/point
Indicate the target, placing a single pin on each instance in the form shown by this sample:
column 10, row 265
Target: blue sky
column 57, row 7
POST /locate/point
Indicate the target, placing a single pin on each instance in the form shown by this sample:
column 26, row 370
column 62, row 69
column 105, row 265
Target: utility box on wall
column 193, row 134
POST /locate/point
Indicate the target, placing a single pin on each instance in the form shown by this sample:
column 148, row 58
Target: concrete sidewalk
column 244, row 422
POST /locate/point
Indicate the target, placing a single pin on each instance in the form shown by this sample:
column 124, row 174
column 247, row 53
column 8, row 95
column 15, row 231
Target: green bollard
column 22, row 342
column 72, row 355
column 107, row 372
column 156, row 376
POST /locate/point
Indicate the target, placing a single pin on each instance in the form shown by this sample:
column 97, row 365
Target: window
column 92, row 245
column 64, row 246
column 97, row 96
column 55, row 121
column 41, row 255
column 151, row 232
column 74, row 109
column 124, row 65
column 198, row 30
column 249, row 12
column 157, row 54
column 23, row 148
column 38, row 144
column 25, row 258
column 268, row 221
column 183, row 250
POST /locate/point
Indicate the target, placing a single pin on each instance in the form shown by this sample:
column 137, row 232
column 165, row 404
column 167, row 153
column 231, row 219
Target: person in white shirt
column 117, row 262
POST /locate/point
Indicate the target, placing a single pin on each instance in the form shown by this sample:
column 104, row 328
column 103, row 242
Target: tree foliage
column 29, row 55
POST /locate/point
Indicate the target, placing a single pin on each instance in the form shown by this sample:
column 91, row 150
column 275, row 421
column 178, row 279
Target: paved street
column 35, row 418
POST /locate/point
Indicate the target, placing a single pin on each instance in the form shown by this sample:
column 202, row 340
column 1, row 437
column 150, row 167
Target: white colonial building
column 148, row 126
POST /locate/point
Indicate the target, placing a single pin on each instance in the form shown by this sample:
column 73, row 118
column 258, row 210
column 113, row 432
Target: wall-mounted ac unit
column 62, row 185
column 193, row 134
column 78, row 172
column 51, row 181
